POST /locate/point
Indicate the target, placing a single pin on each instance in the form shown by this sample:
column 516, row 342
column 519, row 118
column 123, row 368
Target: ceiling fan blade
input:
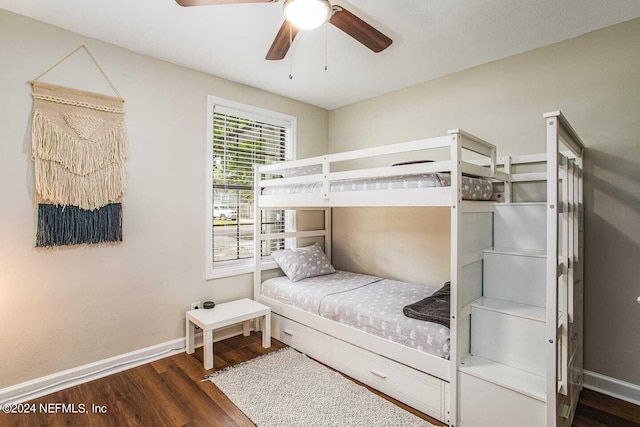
column 187, row 3
column 281, row 43
column 359, row 30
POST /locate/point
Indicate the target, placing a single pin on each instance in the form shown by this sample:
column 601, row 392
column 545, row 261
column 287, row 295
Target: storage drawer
column 509, row 232
column 484, row 404
column 415, row 388
column 510, row 340
column 515, row 277
column 302, row 338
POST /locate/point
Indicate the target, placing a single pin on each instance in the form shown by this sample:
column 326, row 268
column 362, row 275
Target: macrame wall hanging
column 79, row 145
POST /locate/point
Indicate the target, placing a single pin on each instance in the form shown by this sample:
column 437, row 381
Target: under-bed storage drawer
column 302, row 338
column 415, row 388
column 485, row 404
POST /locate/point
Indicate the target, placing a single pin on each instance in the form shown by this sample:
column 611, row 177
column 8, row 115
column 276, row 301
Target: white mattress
column 368, row 303
column 472, row 188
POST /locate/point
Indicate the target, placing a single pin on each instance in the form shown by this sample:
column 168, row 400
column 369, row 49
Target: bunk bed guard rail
column 326, row 177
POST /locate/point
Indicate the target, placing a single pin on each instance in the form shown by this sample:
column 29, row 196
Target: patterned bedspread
column 368, row 303
column 472, row 188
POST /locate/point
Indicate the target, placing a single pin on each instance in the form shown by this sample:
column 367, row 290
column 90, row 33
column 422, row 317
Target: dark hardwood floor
column 169, row 392
column 596, row 409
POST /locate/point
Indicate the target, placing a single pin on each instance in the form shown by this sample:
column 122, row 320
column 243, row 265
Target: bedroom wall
column 405, row 244
column 594, row 80
column 64, row 308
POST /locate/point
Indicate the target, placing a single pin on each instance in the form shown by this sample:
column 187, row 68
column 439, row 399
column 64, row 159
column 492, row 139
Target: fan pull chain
column 290, row 56
column 326, row 46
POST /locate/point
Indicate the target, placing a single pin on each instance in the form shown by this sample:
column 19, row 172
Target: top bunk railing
column 566, row 133
column 325, row 176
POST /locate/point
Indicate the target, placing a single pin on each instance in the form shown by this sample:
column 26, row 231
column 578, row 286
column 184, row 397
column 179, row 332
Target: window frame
column 240, row 266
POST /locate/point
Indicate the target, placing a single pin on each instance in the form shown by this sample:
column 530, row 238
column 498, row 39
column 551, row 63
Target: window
column 238, row 137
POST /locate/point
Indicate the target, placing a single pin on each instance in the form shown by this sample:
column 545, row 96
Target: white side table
column 222, row 315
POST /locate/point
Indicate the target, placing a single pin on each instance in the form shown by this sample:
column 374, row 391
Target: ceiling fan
column 306, row 15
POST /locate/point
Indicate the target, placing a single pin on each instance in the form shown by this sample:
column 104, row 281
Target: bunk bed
column 421, row 379
column 424, row 378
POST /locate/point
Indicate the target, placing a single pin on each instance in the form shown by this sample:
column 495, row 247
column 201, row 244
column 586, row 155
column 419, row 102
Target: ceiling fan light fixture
column 307, row 14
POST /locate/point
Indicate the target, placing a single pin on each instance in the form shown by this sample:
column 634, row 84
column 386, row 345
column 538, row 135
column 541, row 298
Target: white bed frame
column 319, row 336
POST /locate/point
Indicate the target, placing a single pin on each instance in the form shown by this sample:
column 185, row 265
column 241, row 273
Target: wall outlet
column 196, row 306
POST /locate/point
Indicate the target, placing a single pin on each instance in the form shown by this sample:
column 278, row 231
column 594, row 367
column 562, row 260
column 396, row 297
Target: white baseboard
column 612, row 387
column 39, row 387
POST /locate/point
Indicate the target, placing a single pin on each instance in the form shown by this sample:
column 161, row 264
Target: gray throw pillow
column 301, row 263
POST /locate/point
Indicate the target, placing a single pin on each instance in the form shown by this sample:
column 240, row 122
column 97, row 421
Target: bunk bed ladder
column 524, row 362
column 564, row 270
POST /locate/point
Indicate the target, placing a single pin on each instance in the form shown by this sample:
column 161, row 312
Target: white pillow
column 301, row 263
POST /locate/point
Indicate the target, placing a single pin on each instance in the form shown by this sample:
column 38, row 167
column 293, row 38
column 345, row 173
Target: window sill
column 222, row 272
column 238, row 270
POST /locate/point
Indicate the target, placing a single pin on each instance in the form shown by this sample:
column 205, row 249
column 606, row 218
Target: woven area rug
column 286, row 388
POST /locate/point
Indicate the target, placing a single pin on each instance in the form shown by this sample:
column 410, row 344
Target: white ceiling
column 431, row 38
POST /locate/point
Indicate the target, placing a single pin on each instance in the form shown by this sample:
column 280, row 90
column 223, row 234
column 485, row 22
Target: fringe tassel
column 59, row 186
column 82, row 157
column 70, row 225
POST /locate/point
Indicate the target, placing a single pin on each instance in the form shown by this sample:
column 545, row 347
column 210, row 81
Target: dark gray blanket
column 432, row 309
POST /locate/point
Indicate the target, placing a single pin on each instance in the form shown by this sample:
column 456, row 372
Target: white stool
column 223, row 315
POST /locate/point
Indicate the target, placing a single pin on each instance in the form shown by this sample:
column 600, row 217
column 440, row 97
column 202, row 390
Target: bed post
column 327, row 235
column 456, row 274
column 552, row 267
column 563, row 265
column 257, row 243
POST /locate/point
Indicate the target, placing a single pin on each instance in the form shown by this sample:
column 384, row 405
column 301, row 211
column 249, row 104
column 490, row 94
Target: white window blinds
column 239, row 140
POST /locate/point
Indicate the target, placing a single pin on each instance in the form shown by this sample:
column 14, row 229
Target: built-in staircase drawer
column 485, row 404
column 513, row 275
column 302, row 338
column 520, row 226
column 417, row 389
column 509, row 333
